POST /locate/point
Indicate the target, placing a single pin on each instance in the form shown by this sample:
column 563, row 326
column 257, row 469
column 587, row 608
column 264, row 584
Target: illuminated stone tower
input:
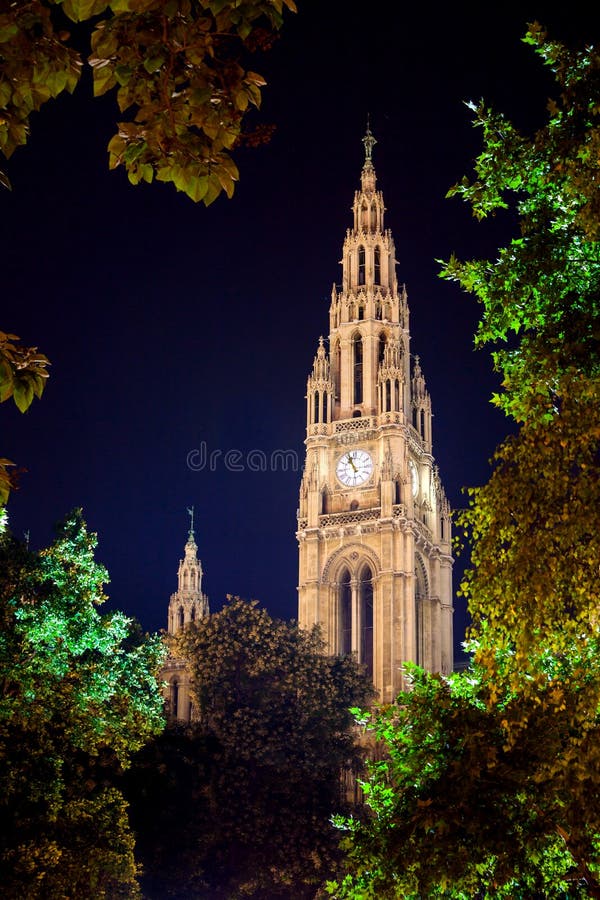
column 374, row 529
column 188, row 604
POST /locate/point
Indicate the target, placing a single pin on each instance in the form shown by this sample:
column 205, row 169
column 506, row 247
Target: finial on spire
column 369, row 142
column 191, row 515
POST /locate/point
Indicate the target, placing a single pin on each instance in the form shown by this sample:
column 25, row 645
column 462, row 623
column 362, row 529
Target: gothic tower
column 374, row 529
column 188, row 604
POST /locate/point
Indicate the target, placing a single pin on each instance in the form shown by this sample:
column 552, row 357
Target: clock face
column 354, row 468
column 414, row 478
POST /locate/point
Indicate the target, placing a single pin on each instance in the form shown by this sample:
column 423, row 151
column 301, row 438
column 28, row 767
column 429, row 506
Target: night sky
column 172, row 327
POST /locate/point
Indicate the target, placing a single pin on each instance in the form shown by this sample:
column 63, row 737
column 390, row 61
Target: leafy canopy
column 179, row 70
column 23, row 376
column 533, row 584
column 540, row 297
column 78, row 696
column 253, row 784
column 458, row 808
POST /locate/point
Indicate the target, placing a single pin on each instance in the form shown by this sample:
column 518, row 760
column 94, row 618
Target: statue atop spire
column 367, row 178
column 191, row 515
column 369, row 142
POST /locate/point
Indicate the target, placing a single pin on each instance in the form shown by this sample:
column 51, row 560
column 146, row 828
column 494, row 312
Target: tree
column 251, row 787
column 78, row 696
column 179, row 70
column 492, row 778
column 23, row 376
column 459, row 808
column 533, row 583
column 541, row 296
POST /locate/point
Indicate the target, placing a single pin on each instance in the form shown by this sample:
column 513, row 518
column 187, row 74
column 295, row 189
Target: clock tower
column 374, row 528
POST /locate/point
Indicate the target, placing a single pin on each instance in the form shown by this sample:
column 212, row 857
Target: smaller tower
column 187, row 605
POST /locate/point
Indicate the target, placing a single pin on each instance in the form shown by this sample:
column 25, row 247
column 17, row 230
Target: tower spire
column 188, row 603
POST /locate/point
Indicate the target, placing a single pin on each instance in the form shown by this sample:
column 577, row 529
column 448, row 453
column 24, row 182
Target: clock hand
column 350, row 460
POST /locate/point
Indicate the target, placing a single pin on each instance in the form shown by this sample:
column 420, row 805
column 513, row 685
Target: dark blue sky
column 173, row 328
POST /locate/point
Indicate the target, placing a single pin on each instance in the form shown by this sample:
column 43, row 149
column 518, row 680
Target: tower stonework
column 188, row 604
column 374, row 530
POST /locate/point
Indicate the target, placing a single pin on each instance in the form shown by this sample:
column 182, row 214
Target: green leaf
column 23, row 393
column 82, row 10
column 123, row 74
column 104, row 75
column 197, row 187
column 153, row 63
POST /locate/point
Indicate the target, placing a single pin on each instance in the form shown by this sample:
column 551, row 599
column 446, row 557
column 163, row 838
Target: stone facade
column 188, row 604
column 374, row 529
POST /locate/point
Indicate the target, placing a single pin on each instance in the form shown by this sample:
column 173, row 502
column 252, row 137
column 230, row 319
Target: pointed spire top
column 191, row 515
column 369, row 142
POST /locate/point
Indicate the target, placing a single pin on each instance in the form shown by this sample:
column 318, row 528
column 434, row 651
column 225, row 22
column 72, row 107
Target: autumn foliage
column 179, row 69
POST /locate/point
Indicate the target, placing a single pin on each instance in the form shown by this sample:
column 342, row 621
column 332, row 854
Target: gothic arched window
column 355, row 611
column 338, row 368
column 364, row 216
column 361, row 265
column 181, row 617
column 377, row 266
column 365, row 608
column 373, row 217
column 345, row 613
column 357, row 366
